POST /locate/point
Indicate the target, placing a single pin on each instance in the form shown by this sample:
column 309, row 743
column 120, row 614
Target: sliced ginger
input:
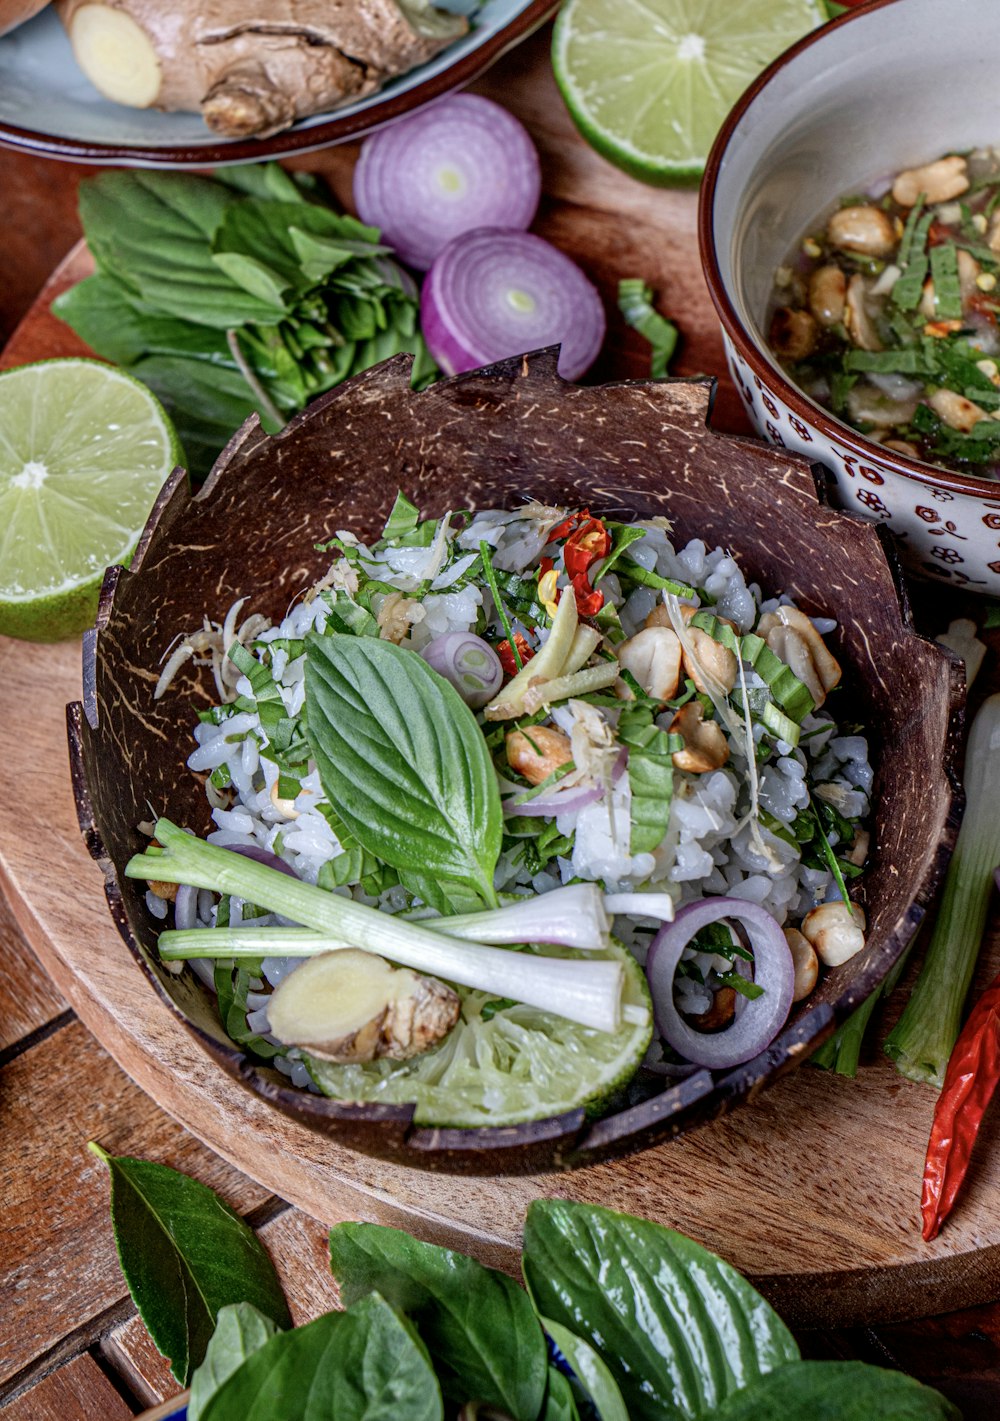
column 352, row 1006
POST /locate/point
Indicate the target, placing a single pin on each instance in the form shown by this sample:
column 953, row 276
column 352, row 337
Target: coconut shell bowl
column 491, row 438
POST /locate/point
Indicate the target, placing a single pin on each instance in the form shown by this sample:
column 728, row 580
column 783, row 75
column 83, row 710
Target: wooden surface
column 840, row 1158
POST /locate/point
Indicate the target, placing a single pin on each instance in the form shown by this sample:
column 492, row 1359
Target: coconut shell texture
column 485, row 439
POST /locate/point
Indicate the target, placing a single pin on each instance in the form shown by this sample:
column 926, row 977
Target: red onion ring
column 758, row 1023
column 459, row 164
column 566, row 801
column 494, row 293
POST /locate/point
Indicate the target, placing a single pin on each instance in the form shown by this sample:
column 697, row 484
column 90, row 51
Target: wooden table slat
column 77, row 1389
column 29, row 1000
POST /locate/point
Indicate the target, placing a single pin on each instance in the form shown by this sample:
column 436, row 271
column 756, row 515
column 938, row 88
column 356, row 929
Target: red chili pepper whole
column 969, row 1084
column 506, row 654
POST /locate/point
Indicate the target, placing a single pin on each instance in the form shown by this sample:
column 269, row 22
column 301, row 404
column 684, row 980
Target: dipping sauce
column 886, row 312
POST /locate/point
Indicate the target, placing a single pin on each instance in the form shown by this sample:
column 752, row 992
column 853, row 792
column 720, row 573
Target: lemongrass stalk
column 589, row 992
column 581, row 683
column 922, row 1040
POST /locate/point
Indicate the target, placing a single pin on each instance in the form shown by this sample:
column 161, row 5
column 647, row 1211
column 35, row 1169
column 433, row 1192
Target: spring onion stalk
column 842, row 1053
column 572, row 916
column 589, row 992
column 922, row 1040
column 544, row 666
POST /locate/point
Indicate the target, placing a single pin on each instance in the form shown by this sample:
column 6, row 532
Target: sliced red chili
column 589, row 600
column 563, row 529
column 506, row 653
column 969, row 1084
column 590, row 542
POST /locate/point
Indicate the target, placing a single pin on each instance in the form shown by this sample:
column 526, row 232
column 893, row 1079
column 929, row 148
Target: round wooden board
column 812, row 1190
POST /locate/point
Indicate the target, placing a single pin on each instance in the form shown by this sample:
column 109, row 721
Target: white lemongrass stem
column 544, row 665
column 581, row 683
column 587, row 992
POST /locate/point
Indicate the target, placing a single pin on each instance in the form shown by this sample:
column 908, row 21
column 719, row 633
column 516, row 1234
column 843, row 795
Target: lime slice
column 84, row 450
column 649, row 82
column 521, row 1064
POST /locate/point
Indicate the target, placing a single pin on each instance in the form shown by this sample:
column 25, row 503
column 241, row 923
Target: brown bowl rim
column 293, row 140
column 805, row 408
column 557, row 1141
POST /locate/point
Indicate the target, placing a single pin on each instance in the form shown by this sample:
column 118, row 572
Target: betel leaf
column 185, row 1255
column 240, row 1331
column 366, row 1364
column 402, row 761
column 679, row 1328
column 478, row 1324
column 837, row 1391
column 589, row 1371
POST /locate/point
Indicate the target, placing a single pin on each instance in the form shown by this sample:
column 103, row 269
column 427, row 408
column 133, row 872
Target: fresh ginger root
column 251, row 66
column 352, row 1006
column 15, row 12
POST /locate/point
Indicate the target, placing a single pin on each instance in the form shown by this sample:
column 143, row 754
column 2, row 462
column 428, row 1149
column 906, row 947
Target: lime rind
column 520, row 1065
column 649, row 82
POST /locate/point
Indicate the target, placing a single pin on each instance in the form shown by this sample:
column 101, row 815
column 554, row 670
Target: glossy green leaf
column 366, row 1364
column 185, row 1255
column 679, row 1328
column 403, row 761
column 478, row 1324
column 590, row 1371
column 559, row 1404
column 240, row 1331
column 836, row 1391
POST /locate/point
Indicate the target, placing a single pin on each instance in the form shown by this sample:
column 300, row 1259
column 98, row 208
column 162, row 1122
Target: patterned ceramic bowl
column 888, row 86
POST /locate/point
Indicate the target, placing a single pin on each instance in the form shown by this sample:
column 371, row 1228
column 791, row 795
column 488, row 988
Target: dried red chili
column 506, row 653
column 969, row 1084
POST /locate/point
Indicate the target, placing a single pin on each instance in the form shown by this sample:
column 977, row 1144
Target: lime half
column 517, row 1065
column 649, row 82
column 84, row 450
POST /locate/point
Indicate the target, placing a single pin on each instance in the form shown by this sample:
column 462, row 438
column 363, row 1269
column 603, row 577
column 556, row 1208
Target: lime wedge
column 84, row 450
column 649, row 82
column 520, row 1064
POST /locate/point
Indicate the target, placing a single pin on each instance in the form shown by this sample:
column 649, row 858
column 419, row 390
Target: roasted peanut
column 720, row 1013
column 653, row 656
column 956, row 411
column 860, row 326
column 806, row 963
column 705, row 746
column 793, row 333
column 835, row 931
column 827, row 295
column 858, row 851
column 794, row 640
column 868, row 230
column 536, row 753
column 936, row 182
column 285, row 807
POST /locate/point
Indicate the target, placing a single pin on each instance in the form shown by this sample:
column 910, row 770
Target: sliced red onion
column 469, row 663
column 758, row 1023
column 460, row 164
column 497, row 292
column 561, row 801
column 265, row 856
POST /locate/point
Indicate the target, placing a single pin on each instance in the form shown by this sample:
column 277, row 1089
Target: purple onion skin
column 251, row 851
column 186, row 913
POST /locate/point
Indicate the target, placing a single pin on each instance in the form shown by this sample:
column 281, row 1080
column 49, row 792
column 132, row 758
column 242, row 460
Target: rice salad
column 675, row 760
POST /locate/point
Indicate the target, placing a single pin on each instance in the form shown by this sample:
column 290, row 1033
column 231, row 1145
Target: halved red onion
column 757, row 1022
column 497, row 292
column 469, row 663
column 460, row 164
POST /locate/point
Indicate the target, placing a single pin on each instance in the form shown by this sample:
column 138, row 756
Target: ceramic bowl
column 894, row 84
column 48, row 106
column 482, row 440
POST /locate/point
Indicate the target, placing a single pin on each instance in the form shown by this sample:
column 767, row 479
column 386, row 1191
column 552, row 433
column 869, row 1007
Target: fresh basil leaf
column 240, row 1331
column 402, row 761
column 623, row 535
column 559, row 1404
column 590, row 1372
column 267, row 180
column 678, row 1328
column 403, row 518
column 478, row 1324
column 262, row 230
column 256, row 278
column 185, row 1255
column 836, row 1391
column 366, row 1364
column 348, row 616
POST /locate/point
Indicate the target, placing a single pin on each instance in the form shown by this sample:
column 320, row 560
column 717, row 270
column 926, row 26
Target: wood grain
column 28, row 1000
column 77, row 1389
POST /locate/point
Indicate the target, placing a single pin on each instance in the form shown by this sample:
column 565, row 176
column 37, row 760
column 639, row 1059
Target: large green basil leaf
column 185, row 1255
column 679, row 1328
column 240, row 1331
column 836, row 1391
column 366, row 1364
column 275, row 235
column 479, row 1325
column 590, row 1371
column 403, row 761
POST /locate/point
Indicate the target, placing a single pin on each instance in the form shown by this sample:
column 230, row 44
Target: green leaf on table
column 267, row 180
column 837, row 1391
column 240, row 1331
column 185, row 1255
column 635, row 301
column 366, row 1364
column 276, row 236
column 678, row 1328
column 478, row 1324
column 402, row 761
column 591, row 1373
